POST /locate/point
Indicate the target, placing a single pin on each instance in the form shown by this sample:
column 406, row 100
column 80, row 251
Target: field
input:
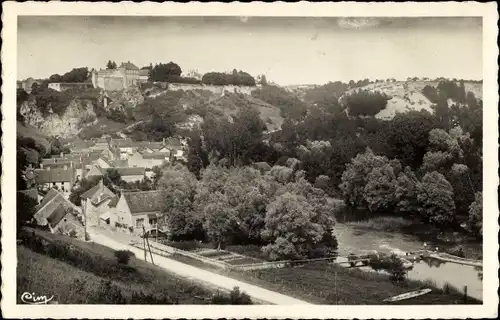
column 324, row 283
column 78, row 272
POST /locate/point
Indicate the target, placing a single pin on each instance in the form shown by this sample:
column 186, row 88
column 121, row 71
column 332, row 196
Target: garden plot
column 229, row 257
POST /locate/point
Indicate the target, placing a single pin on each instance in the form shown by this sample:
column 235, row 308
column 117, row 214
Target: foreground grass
column 88, row 273
column 324, row 283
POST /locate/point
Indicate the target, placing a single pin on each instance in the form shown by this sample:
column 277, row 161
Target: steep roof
column 145, row 201
column 129, row 66
column 49, row 196
column 155, row 155
column 133, row 171
column 120, row 163
column 171, row 141
column 113, row 202
column 50, row 203
column 55, row 175
column 95, row 191
column 60, row 213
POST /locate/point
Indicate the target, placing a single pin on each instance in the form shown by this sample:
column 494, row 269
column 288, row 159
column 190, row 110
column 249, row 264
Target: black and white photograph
column 250, row 158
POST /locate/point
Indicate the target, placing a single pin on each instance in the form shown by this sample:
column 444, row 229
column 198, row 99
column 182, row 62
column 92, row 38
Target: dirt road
column 213, row 279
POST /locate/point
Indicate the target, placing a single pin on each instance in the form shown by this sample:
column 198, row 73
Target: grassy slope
column 315, row 283
column 71, row 283
column 231, row 103
column 27, row 131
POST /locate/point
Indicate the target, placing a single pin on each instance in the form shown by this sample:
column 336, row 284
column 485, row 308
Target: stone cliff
column 78, row 113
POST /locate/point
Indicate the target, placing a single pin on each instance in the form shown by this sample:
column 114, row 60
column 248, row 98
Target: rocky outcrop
column 128, row 98
column 78, row 114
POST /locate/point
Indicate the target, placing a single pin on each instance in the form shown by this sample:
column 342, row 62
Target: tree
column 380, row 188
column 476, row 214
column 248, row 193
column 55, row 78
column 111, row 65
column 197, row 157
column 179, row 187
column 113, row 175
column 354, row 178
column 76, row 75
column 366, row 103
column 219, row 219
column 165, row 72
column 295, row 231
column 263, row 80
column 435, row 198
column 26, row 209
column 408, row 136
column 406, row 192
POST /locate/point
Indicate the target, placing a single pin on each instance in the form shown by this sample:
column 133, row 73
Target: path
column 185, row 270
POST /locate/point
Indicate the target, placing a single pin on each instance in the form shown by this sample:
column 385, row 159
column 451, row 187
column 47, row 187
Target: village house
column 125, row 146
column 60, row 178
column 148, row 160
column 94, row 171
column 95, row 202
column 59, row 215
column 139, row 209
column 101, row 144
column 65, row 164
column 131, row 174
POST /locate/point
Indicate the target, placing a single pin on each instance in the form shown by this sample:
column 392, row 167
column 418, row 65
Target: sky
column 288, row 50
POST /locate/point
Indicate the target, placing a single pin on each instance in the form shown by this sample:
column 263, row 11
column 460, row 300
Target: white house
column 97, row 201
column 61, row 178
column 138, row 209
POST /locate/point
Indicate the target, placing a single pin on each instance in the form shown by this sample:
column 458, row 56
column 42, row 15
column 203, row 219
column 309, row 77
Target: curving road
column 187, row 271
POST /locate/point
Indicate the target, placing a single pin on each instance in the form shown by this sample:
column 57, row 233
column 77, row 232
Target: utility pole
column 84, row 209
column 144, row 244
column 336, row 292
column 149, row 248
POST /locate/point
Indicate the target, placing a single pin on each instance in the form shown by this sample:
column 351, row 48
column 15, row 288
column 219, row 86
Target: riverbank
column 452, row 242
column 327, row 283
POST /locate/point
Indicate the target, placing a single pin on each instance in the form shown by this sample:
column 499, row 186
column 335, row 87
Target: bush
column 123, row 256
column 457, row 251
column 235, row 297
column 352, row 258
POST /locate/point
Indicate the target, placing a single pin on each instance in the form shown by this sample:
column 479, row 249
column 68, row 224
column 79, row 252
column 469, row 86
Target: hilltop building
column 125, row 76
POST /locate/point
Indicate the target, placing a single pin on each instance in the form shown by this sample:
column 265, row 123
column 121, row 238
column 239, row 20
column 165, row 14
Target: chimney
column 101, row 185
column 41, row 165
column 65, row 167
column 163, row 141
column 62, row 154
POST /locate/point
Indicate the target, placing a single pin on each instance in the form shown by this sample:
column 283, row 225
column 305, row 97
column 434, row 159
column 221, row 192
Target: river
column 358, row 240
